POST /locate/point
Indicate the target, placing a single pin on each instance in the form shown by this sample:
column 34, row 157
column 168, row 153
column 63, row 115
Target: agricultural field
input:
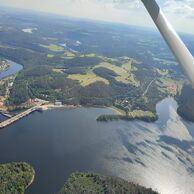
column 87, row 79
column 123, row 73
column 68, row 55
column 88, row 55
column 57, row 70
column 165, row 62
column 172, row 86
column 88, row 68
column 50, row 55
column 83, row 63
column 53, row 47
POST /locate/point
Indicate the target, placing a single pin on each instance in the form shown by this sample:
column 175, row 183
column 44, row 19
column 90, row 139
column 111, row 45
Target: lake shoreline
column 31, row 182
column 61, row 138
column 145, row 116
column 51, row 106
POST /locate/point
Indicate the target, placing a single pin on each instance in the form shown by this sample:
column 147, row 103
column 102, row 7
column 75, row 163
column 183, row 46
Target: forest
column 186, row 103
column 130, row 116
column 90, row 183
column 111, row 66
column 15, row 177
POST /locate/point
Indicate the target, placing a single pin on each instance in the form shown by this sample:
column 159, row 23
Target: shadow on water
column 59, row 142
column 184, row 145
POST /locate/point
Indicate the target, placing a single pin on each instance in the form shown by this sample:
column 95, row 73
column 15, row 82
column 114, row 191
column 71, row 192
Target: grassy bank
column 146, row 116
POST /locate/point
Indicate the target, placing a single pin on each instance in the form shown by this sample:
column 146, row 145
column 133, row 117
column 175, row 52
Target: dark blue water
column 56, row 143
column 59, row 142
column 3, row 118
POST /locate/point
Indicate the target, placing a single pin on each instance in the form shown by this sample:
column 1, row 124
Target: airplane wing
column 182, row 54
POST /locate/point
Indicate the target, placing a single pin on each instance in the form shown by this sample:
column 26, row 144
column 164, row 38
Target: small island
column 146, row 116
column 90, row 183
column 15, row 177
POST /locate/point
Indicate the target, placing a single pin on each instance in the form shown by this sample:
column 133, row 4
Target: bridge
column 19, row 116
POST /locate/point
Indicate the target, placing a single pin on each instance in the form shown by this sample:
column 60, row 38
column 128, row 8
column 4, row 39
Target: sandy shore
column 53, row 106
column 32, row 180
column 116, row 110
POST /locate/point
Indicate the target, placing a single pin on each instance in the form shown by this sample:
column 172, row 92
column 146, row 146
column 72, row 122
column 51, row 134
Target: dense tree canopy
column 89, row 183
column 15, row 178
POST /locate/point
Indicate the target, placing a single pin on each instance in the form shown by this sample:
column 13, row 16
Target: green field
column 118, row 111
column 127, row 66
column 87, row 79
column 68, row 55
column 162, row 72
column 57, row 70
column 165, row 62
column 50, row 55
column 53, row 47
column 88, row 55
column 124, row 73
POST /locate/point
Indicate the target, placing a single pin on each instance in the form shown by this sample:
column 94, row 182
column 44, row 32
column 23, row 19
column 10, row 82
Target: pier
column 19, row 116
column 6, row 114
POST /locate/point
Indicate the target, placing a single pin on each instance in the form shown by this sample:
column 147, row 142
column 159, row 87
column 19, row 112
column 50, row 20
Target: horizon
column 180, row 13
column 65, row 17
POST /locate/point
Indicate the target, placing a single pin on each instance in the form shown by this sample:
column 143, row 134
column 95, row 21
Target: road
column 19, row 116
column 145, row 92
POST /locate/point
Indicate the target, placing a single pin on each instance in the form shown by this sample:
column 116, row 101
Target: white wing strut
column 175, row 43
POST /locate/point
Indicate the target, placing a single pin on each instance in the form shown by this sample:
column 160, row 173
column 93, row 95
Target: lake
column 14, row 68
column 60, row 141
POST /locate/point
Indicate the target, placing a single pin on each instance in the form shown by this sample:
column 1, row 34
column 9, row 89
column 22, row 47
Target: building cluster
column 172, row 89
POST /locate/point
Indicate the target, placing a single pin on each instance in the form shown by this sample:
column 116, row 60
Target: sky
column 179, row 12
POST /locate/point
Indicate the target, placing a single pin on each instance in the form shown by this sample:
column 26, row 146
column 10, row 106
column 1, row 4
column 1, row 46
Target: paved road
column 19, row 116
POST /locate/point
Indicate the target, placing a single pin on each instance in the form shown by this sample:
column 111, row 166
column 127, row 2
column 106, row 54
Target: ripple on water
column 160, row 154
column 63, row 141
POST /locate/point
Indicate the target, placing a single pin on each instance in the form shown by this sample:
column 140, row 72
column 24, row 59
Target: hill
column 97, row 65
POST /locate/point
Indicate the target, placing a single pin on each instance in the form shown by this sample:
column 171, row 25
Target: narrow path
column 145, row 92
